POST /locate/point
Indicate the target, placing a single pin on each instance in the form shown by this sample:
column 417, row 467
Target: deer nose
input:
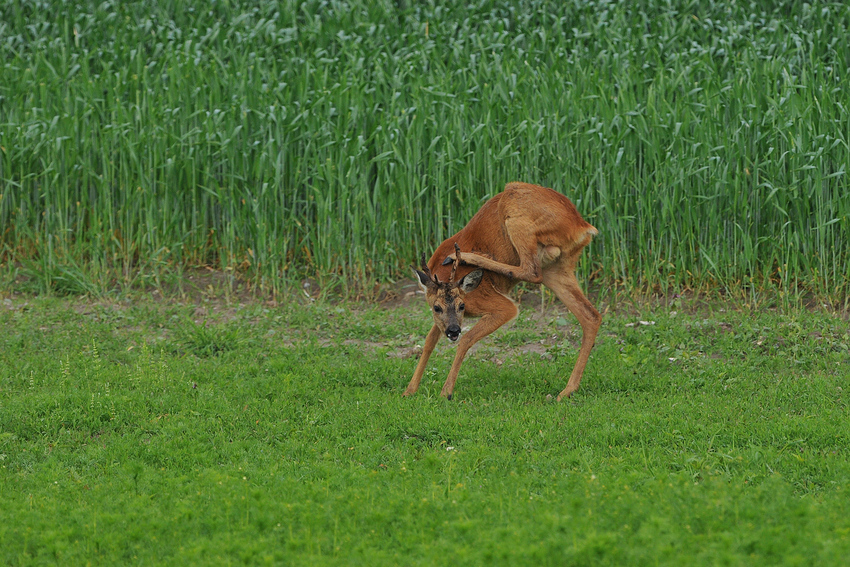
column 453, row 331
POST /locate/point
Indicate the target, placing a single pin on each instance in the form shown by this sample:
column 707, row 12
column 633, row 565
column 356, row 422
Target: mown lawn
column 152, row 432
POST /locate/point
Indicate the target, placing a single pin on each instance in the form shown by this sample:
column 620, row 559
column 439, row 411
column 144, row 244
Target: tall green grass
column 707, row 141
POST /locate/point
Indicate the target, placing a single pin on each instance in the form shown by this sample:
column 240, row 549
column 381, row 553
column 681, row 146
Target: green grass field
column 164, row 433
column 338, row 140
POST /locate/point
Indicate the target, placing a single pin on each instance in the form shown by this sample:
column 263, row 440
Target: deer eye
column 438, row 309
column 461, row 307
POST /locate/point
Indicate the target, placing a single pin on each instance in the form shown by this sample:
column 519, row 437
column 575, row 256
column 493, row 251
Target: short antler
column 427, row 271
column 455, row 264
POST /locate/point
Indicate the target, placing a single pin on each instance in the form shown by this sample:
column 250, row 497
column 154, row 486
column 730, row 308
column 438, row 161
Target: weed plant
column 706, row 140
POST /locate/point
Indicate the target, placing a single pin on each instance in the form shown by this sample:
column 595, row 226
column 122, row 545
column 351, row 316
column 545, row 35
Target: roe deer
column 525, row 233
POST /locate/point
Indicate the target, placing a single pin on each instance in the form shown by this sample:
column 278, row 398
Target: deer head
column 446, row 298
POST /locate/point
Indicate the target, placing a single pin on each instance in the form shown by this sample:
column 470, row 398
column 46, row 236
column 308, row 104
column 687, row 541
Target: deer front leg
column 430, row 343
column 505, row 311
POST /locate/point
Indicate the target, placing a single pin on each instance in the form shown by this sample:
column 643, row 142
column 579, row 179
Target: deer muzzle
column 453, row 331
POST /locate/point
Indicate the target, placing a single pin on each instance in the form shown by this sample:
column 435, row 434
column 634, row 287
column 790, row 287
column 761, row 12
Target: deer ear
column 470, row 281
column 422, row 279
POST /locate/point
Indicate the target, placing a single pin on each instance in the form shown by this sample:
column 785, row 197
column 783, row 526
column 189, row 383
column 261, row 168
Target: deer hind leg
column 430, row 343
column 561, row 279
column 525, row 242
column 501, row 310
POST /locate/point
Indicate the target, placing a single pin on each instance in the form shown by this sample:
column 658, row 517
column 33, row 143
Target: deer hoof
column 448, row 260
column 564, row 396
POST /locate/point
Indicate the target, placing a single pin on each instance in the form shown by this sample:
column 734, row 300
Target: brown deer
column 526, row 233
